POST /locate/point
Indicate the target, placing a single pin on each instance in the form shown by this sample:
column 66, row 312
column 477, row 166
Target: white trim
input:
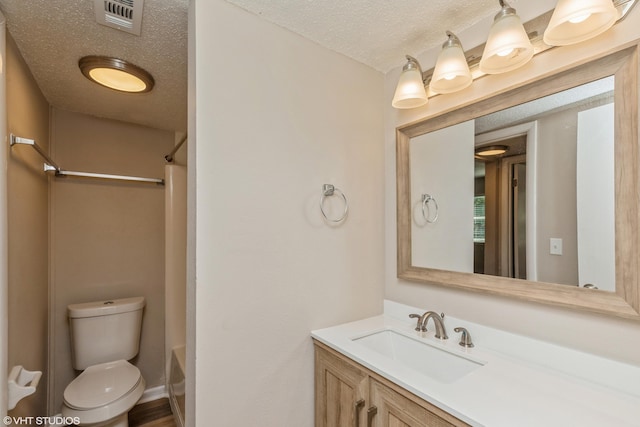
column 153, row 393
column 175, row 409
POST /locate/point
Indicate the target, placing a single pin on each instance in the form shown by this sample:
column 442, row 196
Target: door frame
column 529, row 129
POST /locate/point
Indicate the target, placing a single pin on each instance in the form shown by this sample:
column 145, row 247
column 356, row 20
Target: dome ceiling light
column 116, row 74
column 491, row 150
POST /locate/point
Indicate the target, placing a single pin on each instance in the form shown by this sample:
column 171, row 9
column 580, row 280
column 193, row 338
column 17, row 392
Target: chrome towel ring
column 426, row 211
column 327, row 191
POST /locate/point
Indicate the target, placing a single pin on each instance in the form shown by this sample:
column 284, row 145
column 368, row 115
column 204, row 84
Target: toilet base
column 119, row 421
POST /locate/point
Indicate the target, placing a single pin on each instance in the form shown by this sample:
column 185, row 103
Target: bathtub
column 176, row 384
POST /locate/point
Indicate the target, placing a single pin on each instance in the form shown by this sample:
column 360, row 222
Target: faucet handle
column 419, row 324
column 465, row 338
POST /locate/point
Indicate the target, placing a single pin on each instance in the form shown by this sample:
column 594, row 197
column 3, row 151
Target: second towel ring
column 329, row 190
column 426, row 211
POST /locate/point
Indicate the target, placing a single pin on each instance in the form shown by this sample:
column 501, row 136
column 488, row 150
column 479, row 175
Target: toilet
column 104, row 336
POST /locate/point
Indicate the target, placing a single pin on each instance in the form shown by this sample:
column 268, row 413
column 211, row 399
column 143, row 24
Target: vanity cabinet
column 350, row 395
column 341, row 390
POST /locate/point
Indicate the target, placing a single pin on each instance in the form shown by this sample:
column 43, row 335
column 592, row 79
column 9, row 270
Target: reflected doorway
column 500, row 209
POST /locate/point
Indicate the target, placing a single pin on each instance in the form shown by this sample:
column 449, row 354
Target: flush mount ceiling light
column 410, row 92
column 574, row 21
column 451, row 73
column 508, row 46
column 116, row 74
column 491, row 150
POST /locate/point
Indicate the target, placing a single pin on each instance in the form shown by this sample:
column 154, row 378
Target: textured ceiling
column 53, row 35
column 586, row 93
column 375, row 32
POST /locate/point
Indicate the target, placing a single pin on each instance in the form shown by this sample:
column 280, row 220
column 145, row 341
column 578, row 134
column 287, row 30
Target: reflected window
column 478, row 219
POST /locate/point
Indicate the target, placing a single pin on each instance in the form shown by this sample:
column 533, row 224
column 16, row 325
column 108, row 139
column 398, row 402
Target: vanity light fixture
column 508, row 46
column 574, row 21
column 491, row 150
column 451, row 73
column 116, row 74
column 410, row 92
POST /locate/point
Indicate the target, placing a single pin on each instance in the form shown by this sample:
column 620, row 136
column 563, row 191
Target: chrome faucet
column 437, row 320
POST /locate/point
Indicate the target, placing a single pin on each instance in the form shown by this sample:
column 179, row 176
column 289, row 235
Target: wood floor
column 152, row 414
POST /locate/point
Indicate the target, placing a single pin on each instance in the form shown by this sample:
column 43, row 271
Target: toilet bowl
column 102, row 395
column 104, row 336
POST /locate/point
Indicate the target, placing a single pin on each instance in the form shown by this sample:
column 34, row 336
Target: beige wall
column 606, row 336
column 28, row 236
column 276, row 117
column 444, row 171
column 107, row 237
column 556, row 184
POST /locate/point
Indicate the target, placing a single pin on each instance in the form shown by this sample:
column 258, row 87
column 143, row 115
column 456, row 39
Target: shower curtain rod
column 169, row 157
column 51, row 166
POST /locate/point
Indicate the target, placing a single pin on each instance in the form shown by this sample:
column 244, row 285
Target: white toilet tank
column 105, row 331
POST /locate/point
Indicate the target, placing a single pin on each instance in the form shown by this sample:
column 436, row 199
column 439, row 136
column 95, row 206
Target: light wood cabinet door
column 341, row 391
column 396, row 410
column 350, row 395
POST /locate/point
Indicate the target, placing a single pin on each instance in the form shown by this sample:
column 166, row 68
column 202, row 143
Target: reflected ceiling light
column 116, row 74
column 451, row 73
column 491, row 150
column 574, row 21
column 410, row 92
column 508, row 46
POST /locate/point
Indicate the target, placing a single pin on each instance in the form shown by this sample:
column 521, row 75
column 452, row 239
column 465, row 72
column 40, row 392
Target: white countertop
column 523, row 382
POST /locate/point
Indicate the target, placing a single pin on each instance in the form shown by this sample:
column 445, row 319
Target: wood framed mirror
column 623, row 297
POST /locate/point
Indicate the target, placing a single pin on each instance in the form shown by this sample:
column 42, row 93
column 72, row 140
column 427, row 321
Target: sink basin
column 439, row 364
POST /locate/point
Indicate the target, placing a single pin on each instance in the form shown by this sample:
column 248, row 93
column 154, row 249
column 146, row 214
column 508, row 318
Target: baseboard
column 154, row 393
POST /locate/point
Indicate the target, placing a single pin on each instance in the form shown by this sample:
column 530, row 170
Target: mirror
column 536, row 202
column 487, row 223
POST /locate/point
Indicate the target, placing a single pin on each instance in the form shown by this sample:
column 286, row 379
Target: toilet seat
column 101, row 385
column 103, row 391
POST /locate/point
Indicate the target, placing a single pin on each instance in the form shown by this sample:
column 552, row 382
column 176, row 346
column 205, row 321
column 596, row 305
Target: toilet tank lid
column 104, row 308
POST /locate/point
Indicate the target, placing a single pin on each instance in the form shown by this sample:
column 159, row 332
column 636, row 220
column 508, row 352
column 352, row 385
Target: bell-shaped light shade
column 508, row 46
column 410, row 92
column 451, row 73
column 574, row 21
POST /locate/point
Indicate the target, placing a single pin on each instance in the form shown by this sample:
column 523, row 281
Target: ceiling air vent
column 124, row 15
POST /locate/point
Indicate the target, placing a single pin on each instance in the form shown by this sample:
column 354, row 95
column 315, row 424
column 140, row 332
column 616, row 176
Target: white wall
column 276, row 117
column 606, row 336
column 595, row 196
column 175, row 258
